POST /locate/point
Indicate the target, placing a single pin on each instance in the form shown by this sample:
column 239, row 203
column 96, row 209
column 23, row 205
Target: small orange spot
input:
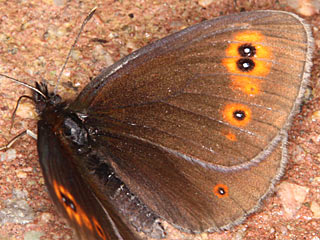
column 99, row 229
column 77, row 216
column 85, row 219
column 249, row 36
column 56, row 189
column 231, row 137
column 221, row 190
column 230, row 110
column 249, row 86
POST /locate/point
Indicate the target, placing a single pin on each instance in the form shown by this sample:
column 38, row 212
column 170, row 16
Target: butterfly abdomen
column 136, row 213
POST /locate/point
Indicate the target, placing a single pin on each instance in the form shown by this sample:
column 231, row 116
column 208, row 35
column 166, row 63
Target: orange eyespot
column 221, row 190
column 237, row 114
column 254, row 66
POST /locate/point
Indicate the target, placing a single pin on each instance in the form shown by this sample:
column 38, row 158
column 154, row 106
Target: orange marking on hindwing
column 221, row 190
column 99, row 229
column 73, row 210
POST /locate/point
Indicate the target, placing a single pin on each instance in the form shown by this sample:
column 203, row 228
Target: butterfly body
column 62, row 135
column 191, row 129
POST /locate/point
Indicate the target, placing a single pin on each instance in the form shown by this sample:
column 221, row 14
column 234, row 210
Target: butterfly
column 190, row 129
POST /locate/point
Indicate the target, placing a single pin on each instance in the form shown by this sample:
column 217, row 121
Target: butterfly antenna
column 24, row 84
column 21, row 97
column 74, row 44
column 13, row 116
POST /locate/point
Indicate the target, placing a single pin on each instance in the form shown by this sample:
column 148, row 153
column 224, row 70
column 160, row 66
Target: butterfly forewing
column 183, row 92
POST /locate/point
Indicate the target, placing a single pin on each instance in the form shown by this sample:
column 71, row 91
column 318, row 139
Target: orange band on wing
column 261, row 61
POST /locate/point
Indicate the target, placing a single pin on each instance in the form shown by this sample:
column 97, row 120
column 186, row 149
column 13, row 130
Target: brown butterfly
column 190, row 129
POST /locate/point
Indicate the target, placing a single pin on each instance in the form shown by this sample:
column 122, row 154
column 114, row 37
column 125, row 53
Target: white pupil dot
column 72, row 206
column 221, row 191
column 245, row 65
column 239, row 115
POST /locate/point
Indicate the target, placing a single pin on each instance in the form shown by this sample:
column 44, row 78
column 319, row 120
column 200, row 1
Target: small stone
column 26, row 110
column 9, row 155
column 59, row 2
column 315, row 208
column 46, row 217
column 33, row 235
column 19, row 194
column 315, row 116
column 76, row 54
column 305, row 7
column 298, row 154
column 292, row 196
column 16, row 211
column 205, row 3
column 101, row 55
column 316, row 180
column 22, row 174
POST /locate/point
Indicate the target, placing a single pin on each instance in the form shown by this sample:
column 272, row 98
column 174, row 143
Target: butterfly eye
column 75, row 132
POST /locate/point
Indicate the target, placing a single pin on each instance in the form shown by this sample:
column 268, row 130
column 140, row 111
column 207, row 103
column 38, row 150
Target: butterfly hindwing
column 92, row 218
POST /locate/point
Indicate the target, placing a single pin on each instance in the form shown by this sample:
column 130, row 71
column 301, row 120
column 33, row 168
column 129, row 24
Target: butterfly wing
column 193, row 197
column 91, row 218
column 179, row 92
column 192, row 121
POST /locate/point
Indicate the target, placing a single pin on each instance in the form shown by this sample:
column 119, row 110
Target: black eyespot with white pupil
column 239, row 115
column 247, row 50
column 68, row 202
column 245, row 64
